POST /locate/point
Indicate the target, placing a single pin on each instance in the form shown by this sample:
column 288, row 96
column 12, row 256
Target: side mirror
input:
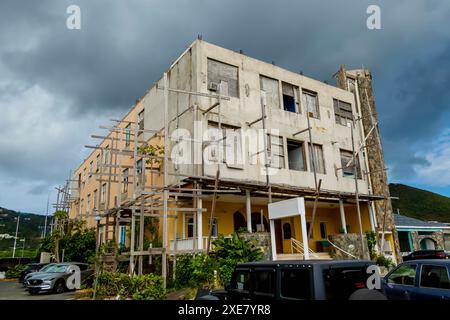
column 227, row 286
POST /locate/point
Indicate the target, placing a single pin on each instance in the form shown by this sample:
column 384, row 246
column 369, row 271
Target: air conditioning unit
column 212, row 86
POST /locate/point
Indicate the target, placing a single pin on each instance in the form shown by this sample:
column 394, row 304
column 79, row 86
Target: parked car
column 298, row 280
column 43, row 269
column 426, row 254
column 54, row 279
column 418, row 280
column 31, row 267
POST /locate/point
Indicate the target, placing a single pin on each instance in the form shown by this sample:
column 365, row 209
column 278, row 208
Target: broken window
column 97, row 163
column 103, row 193
column 125, row 181
column 296, row 155
column 223, row 76
column 343, row 112
column 141, row 121
column 311, row 103
column 226, row 145
column 127, row 135
column 316, row 158
column 88, row 206
column 276, row 151
column 346, row 157
column 270, row 93
column 290, row 97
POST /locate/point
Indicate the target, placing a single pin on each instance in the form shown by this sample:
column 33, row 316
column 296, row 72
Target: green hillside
column 420, row 204
column 30, row 228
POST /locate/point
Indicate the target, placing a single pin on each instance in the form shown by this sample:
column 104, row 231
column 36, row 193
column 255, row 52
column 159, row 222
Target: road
column 15, row 291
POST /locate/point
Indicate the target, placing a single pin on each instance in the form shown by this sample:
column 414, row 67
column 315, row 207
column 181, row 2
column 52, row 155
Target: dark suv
column 298, row 280
column 426, row 254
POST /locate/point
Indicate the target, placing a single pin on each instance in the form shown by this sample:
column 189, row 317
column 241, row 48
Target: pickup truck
column 298, row 280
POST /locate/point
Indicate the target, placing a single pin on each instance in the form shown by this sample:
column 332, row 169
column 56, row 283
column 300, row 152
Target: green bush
column 371, row 242
column 384, row 261
column 196, row 271
column 14, row 271
column 143, row 287
column 148, row 287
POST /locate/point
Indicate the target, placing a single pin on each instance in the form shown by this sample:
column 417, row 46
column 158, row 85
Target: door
column 278, row 236
column 434, row 283
column 400, row 283
column 287, row 235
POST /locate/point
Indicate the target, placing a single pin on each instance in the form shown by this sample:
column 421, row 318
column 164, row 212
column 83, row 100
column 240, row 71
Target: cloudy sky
column 58, row 85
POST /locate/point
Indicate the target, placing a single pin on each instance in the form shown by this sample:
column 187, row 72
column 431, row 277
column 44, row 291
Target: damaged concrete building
column 286, row 135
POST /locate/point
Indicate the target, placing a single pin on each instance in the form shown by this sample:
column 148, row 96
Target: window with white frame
column 311, row 103
column 103, row 193
column 127, row 135
column 141, row 121
column 106, row 154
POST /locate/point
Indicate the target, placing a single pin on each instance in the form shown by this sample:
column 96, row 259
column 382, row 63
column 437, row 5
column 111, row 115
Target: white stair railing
column 342, row 250
column 298, row 246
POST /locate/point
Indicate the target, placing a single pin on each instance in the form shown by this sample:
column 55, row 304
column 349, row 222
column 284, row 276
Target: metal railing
column 342, row 250
column 298, row 246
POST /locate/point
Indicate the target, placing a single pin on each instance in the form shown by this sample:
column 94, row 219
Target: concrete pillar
column 248, row 210
column 343, row 221
column 200, row 224
column 304, row 236
column 273, row 240
column 371, row 216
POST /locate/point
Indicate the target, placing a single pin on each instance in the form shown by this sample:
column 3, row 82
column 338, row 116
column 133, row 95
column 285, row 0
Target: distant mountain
column 30, row 228
column 420, row 204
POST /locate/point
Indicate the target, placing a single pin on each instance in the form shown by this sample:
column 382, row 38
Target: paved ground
column 15, row 291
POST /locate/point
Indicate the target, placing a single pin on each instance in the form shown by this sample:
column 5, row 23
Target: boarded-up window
column 276, row 151
column 270, row 92
column 290, row 97
column 296, row 155
column 343, row 112
column 316, row 157
column 311, row 103
column 223, row 76
column 231, row 141
column 349, row 171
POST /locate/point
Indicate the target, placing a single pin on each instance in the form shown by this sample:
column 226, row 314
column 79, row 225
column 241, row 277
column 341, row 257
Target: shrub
column 143, row 287
column 383, row 261
column 14, row 271
column 148, row 287
column 371, row 242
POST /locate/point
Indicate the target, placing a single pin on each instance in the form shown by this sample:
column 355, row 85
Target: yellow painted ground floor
column 189, row 231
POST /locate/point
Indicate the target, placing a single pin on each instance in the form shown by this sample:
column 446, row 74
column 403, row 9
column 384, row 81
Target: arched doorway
column 256, row 220
column 239, row 221
column 427, row 244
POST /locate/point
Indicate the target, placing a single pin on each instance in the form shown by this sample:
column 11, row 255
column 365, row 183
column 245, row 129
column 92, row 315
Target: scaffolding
column 126, row 161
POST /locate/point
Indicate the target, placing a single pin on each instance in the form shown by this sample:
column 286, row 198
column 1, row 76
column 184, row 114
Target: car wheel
column 59, row 286
column 367, row 294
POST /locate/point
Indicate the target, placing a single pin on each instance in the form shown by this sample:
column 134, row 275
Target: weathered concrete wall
column 351, row 243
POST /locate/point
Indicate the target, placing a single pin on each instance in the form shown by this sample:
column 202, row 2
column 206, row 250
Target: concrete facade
column 192, row 72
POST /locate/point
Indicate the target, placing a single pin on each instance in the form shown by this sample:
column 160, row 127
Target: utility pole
column 46, row 215
column 15, row 238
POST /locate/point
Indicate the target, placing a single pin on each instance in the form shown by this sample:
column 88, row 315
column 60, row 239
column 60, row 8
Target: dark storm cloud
column 72, row 77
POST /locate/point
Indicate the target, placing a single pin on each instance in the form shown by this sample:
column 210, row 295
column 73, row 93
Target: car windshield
column 58, row 268
column 45, row 268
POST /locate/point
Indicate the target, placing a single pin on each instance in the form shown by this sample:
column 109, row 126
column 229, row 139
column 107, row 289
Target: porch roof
column 281, row 190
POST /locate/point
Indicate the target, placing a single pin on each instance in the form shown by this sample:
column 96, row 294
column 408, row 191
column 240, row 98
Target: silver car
column 54, row 279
